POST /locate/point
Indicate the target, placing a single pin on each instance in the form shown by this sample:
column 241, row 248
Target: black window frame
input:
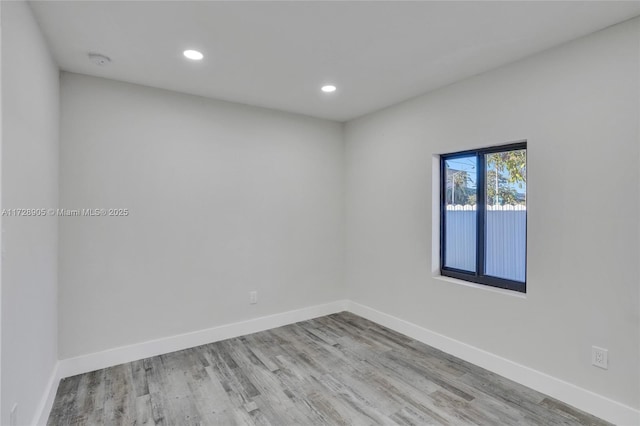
column 478, row 276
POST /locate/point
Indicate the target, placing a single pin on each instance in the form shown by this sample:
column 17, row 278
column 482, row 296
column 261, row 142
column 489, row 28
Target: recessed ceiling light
column 329, row 88
column 193, row 55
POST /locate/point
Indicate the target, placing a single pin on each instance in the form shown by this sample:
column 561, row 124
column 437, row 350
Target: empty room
column 320, row 213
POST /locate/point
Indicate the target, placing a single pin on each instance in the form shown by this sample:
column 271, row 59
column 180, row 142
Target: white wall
column 30, row 109
column 577, row 105
column 223, row 199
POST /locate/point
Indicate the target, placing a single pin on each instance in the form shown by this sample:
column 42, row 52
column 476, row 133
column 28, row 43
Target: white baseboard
column 95, row 361
column 44, row 407
column 580, row 398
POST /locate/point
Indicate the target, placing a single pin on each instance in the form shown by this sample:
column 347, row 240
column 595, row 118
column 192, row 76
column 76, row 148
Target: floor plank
column 335, row 370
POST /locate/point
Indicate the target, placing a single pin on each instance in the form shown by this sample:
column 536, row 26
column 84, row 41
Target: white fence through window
column 505, row 236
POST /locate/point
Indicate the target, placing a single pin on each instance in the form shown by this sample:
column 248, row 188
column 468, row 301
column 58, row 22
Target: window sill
column 501, row 291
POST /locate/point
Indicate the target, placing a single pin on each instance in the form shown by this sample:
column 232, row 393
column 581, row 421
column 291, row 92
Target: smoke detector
column 99, row 59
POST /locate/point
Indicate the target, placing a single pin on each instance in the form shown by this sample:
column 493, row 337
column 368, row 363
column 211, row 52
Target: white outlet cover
column 600, row 357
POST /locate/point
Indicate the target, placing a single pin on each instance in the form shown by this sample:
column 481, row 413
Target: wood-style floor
column 335, row 370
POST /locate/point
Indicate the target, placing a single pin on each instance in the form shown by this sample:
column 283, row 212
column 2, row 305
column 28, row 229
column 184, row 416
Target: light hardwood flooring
column 334, row 370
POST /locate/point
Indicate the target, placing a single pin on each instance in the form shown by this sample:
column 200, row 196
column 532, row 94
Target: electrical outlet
column 13, row 415
column 253, row 297
column 600, row 357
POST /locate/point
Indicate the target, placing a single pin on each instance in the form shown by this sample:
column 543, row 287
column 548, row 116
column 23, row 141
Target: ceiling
column 279, row 54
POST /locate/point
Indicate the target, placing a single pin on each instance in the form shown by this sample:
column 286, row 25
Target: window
column 483, row 219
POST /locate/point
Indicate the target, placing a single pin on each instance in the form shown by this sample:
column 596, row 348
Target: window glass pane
column 506, row 214
column 460, row 213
